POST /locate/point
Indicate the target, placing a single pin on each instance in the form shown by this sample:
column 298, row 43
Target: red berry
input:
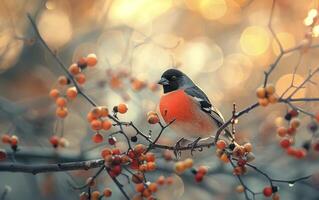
column 241, row 162
column 199, row 177
column 291, row 151
column 112, row 140
column 116, row 152
column 300, row 153
column 97, row 138
column 3, row 154
column 54, row 140
column 316, row 146
column 285, row 143
column 293, row 113
column 267, row 191
column 117, row 169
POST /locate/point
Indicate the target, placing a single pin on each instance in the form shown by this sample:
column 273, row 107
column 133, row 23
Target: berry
column 91, row 60
column 14, row 140
column 63, row 142
column 134, row 138
column 281, row 131
column 295, row 123
column 106, row 152
column 54, row 93
column 139, row 149
column 112, row 140
column 139, row 187
column 151, row 166
column 288, row 116
column 293, row 113
column 95, row 195
column 160, row 180
column 61, row 112
column 74, row 69
column 153, row 187
column 248, row 147
column 316, row 146
column 122, row 108
column 97, row 138
column 106, row 125
column 270, row 89
column 61, row 101
column 150, row 157
column 3, row 154
column 221, row 144
column 261, row 92
column 107, row 192
column 96, row 124
column 71, row 93
column 300, row 153
column 82, row 63
column 153, row 119
column 80, row 78
column 202, row 170
column 285, row 143
column 104, row 111
column 54, row 140
column 62, row 80
column 263, row 102
column 188, row 163
column 199, row 177
column 6, row 139
column 267, row 191
column 240, row 188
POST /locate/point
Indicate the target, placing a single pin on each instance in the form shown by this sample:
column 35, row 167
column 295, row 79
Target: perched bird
column 187, row 105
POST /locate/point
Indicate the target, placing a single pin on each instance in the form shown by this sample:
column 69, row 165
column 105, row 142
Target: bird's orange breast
column 177, row 106
column 190, row 120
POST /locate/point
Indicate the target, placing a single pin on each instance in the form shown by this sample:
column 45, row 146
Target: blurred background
column 223, row 45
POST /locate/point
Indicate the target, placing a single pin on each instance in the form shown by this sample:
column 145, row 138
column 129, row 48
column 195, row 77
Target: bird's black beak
column 163, row 81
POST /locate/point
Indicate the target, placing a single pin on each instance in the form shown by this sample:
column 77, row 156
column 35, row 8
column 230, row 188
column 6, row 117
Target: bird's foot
column 193, row 145
column 177, row 148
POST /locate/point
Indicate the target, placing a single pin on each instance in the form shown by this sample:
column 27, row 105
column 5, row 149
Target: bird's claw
column 177, row 151
column 193, row 145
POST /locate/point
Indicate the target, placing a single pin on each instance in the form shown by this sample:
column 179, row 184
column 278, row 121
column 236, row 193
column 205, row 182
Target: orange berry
column 281, row 131
column 91, row 60
column 97, row 138
column 139, row 149
column 80, row 78
column 61, row 101
column 61, row 112
column 248, row 147
column 96, row 112
column 153, row 187
column 221, row 144
column 74, row 69
column 263, row 102
column 62, row 80
column 239, row 151
column 151, row 166
column 150, row 157
column 107, row 192
column 63, row 142
column 137, row 197
column 261, row 92
column 270, row 89
column 6, row 139
column 106, row 125
column 202, row 170
column 153, row 119
column 122, row 108
column 180, row 167
column 275, row 196
column 71, row 93
column 106, row 152
column 147, row 193
column 104, row 111
column 295, row 123
column 54, row 93
column 188, row 163
column 143, row 168
column 224, row 158
column 160, row 180
column 139, row 187
column 95, row 195
column 96, row 124
column 82, row 63
column 91, row 117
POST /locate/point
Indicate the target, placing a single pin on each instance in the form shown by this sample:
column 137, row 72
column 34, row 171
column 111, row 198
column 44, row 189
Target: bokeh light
column 254, row 40
column 212, row 9
column 55, row 27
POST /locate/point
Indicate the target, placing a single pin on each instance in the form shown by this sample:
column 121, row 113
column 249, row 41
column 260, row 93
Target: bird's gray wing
column 206, row 106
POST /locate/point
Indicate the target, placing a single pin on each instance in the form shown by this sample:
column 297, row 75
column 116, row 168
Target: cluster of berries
column 266, row 95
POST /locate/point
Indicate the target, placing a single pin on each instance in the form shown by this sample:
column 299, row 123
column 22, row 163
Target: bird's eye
column 173, row 78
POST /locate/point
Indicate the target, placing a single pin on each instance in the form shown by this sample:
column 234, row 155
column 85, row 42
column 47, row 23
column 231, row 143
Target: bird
column 187, row 108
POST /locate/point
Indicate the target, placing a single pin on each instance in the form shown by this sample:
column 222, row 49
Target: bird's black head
column 173, row 79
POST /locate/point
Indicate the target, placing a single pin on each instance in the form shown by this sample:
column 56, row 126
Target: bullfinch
column 187, row 105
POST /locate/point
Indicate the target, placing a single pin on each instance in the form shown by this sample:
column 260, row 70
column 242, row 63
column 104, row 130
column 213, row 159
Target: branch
column 44, row 168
